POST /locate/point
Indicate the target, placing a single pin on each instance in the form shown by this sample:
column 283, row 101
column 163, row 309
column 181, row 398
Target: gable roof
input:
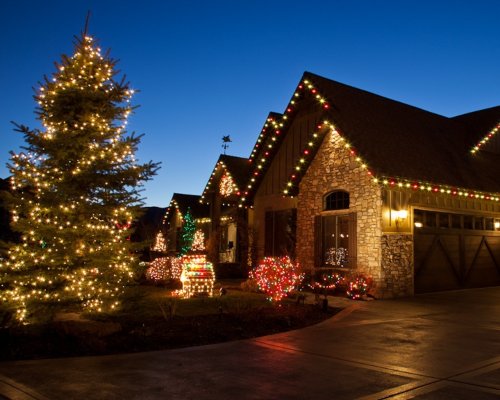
column 182, row 202
column 236, row 167
column 400, row 141
column 482, row 126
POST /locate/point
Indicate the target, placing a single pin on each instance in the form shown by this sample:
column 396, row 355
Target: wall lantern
column 401, row 216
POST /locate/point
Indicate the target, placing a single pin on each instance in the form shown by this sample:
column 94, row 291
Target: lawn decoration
column 197, row 276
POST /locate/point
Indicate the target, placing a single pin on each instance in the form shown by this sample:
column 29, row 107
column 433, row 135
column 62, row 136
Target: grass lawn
column 151, row 319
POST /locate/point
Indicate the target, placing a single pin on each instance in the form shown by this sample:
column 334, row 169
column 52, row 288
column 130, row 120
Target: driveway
column 434, row 346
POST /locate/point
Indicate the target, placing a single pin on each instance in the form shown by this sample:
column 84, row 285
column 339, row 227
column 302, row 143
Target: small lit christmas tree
column 160, row 244
column 198, row 244
column 187, row 234
column 75, row 191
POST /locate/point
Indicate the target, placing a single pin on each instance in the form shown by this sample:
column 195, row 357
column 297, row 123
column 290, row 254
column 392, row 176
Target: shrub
column 277, row 276
column 358, row 286
column 163, row 269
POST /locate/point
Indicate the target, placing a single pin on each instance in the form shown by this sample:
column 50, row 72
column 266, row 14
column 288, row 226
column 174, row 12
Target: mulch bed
column 82, row 338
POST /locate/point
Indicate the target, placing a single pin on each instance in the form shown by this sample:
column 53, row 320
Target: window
column 456, row 221
column 335, row 240
column 280, row 227
column 441, row 220
column 478, row 223
column 338, row 200
column 444, row 220
column 430, row 220
column 490, row 224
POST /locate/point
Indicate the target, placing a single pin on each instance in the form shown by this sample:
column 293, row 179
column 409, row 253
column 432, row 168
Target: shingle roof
column 400, row 140
column 191, row 201
column 237, row 167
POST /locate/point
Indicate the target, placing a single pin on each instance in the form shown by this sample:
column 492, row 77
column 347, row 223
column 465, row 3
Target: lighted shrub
column 358, row 286
column 163, row 269
column 277, row 276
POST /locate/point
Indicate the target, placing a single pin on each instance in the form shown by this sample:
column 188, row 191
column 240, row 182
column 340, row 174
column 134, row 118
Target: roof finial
column 225, row 140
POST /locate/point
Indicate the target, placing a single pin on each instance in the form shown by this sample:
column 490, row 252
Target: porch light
column 400, row 217
column 418, row 224
column 402, row 214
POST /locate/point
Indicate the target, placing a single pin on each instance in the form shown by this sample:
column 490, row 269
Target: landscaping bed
column 152, row 320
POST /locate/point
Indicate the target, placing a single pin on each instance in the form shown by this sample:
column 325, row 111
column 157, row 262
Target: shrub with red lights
column 277, row 276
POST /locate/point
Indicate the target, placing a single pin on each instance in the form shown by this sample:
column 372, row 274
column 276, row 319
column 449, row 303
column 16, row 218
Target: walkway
column 436, row 346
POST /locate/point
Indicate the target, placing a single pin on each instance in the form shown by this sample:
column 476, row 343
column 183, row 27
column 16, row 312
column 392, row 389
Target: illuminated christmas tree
column 76, row 191
column 198, row 244
column 160, row 245
column 187, row 234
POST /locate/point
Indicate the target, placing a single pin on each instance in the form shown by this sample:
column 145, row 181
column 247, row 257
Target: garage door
column 454, row 251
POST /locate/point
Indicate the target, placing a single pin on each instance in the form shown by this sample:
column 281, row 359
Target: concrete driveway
column 434, row 346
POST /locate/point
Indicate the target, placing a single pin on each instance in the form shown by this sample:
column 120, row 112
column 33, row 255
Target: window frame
column 336, row 200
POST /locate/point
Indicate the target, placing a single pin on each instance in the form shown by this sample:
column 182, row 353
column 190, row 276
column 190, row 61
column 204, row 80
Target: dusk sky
column 206, row 69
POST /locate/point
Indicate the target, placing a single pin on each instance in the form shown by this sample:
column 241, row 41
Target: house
column 228, row 233
column 352, row 182
column 179, row 206
column 404, row 196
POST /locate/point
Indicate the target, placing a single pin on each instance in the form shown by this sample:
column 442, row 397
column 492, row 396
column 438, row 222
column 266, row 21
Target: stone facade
column 397, row 265
column 334, row 168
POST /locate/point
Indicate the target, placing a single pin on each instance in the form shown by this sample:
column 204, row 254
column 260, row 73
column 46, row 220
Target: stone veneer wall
column 397, row 265
column 335, row 168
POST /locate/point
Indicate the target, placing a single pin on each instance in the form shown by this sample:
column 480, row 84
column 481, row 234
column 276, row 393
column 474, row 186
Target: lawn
column 151, row 319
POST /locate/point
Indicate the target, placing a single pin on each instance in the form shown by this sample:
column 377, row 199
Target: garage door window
column 433, row 220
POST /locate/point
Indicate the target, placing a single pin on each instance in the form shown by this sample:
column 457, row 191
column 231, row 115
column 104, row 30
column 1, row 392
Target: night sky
column 206, row 69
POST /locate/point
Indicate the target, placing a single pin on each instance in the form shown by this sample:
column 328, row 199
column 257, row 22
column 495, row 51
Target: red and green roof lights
column 272, row 134
column 485, row 140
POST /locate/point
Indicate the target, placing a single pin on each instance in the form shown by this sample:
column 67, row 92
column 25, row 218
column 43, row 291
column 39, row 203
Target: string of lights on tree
column 187, row 233
column 198, row 244
column 160, row 244
column 74, row 191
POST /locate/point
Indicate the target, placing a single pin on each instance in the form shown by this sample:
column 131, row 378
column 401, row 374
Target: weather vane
column 225, row 140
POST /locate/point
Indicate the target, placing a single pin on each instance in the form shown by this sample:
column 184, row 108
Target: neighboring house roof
column 182, row 202
column 396, row 140
column 236, row 167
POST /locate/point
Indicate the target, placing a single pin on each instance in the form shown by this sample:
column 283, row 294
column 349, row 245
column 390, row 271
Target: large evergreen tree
column 76, row 190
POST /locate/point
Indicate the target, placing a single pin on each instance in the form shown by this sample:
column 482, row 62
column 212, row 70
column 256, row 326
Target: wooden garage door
column 455, row 251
